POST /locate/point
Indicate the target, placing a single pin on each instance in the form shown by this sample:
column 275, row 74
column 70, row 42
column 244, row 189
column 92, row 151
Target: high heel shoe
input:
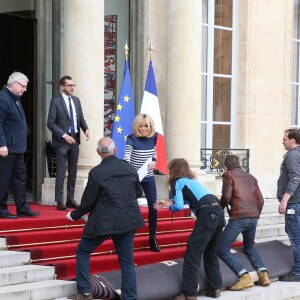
column 153, row 244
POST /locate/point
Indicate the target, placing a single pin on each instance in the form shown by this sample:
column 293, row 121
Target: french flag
column 150, row 106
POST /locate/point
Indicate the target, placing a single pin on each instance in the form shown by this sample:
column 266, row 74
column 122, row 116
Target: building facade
column 227, row 73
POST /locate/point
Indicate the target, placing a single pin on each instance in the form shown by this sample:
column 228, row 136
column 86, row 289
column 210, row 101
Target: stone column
column 264, row 85
column 83, row 52
column 83, row 49
column 183, row 95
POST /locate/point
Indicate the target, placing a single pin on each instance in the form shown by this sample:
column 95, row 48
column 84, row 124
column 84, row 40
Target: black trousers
column 203, row 242
column 66, row 154
column 13, row 176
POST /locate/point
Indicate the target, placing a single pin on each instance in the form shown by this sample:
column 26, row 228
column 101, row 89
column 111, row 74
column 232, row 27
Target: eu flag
column 124, row 114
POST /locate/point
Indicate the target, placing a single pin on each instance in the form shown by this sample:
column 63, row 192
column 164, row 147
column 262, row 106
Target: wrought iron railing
column 213, row 159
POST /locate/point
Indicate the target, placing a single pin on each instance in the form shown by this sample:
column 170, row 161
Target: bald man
column 111, row 199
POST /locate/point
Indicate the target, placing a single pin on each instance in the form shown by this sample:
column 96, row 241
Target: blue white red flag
column 150, row 105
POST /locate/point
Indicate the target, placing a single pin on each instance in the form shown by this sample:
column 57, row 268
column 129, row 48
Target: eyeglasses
column 70, row 85
column 22, row 85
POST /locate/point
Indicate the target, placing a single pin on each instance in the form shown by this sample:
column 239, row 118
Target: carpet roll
column 162, row 281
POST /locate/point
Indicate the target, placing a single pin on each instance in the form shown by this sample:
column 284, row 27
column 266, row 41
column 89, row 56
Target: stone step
column 278, row 290
column 2, row 244
column 42, row 290
column 270, row 219
column 272, row 230
column 25, row 273
column 268, row 231
column 270, row 207
column 13, row 258
column 283, row 238
column 267, row 219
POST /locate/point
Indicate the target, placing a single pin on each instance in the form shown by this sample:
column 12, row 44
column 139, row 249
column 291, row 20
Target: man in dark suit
column 65, row 119
column 13, row 144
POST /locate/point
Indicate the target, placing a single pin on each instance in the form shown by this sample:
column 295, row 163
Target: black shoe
column 71, row 204
column 7, row 215
column 28, row 214
column 61, row 206
column 79, row 296
column 289, row 277
column 212, row 293
column 153, row 244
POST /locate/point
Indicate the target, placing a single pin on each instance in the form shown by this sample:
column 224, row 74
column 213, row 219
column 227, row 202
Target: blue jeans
column 246, row 226
column 124, row 246
column 149, row 188
column 292, row 228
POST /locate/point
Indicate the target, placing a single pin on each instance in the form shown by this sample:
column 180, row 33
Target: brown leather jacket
column 241, row 191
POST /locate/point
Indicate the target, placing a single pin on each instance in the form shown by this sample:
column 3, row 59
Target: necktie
column 20, row 109
column 73, row 133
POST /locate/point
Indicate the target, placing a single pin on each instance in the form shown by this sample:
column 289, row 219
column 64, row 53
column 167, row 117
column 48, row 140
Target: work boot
column 244, row 282
column 263, row 278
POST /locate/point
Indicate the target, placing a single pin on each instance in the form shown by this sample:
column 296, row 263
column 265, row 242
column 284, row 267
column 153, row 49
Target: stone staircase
column 271, row 225
column 21, row 281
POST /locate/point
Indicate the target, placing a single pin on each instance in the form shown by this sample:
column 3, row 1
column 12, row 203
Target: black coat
column 111, row 198
column 13, row 127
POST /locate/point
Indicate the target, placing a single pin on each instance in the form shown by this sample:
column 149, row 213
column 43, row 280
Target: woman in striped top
column 140, row 146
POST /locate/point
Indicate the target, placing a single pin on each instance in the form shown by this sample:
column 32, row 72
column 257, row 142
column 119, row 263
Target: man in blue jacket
column 288, row 194
column 110, row 197
column 13, row 144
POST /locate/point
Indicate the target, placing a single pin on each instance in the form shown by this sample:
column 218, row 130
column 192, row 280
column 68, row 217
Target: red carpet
column 52, row 240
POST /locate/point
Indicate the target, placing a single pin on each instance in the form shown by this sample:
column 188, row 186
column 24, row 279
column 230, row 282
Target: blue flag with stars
column 124, row 114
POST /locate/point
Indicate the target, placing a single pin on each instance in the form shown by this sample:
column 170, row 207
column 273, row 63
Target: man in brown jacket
column 244, row 201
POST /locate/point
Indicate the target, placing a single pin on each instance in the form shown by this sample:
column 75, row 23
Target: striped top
column 139, row 149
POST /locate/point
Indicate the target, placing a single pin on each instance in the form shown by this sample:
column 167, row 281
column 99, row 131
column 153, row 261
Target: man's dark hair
column 232, row 161
column 62, row 81
column 293, row 133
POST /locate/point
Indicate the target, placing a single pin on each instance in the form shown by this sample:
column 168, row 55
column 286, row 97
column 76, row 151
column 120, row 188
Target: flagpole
column 150, row 50
column 126, row 49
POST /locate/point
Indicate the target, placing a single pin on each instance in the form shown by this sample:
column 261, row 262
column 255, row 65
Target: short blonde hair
column 143, row 119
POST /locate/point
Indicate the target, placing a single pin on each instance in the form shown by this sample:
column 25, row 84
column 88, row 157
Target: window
column 295, row 101
column 218, row 73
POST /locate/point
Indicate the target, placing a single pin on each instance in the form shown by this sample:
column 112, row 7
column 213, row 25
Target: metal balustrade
column 212, row 159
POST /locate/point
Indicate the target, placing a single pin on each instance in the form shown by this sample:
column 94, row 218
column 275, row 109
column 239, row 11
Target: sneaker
column 81, row 296
column 263, row 278
column 289, row 277
column 244, row 282
column 184, row 297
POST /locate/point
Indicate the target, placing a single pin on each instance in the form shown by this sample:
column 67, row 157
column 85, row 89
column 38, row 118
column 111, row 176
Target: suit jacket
column 13, row 127
column 59, row 119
